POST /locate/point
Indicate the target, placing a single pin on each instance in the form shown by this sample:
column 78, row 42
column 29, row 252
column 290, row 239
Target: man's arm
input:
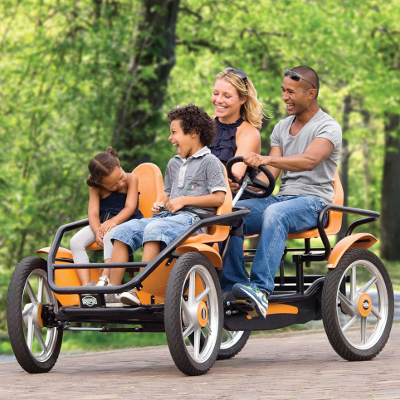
column 317, row 151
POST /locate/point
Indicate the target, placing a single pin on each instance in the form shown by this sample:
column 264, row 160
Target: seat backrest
column 151, row 187
column 334, row 218
column 216, row 233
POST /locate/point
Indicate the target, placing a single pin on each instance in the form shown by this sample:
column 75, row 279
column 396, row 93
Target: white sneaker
column 103, row 281
column 112, row 299
column 130, row 298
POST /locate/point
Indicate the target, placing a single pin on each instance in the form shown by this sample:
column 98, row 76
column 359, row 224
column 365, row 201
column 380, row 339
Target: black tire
column 184, row 314
column 232, row 343
column 358, row 294
column 22, row 317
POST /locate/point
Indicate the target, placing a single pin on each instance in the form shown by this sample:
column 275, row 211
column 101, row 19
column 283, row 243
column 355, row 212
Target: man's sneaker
column 103, row 281
column 112, row 300
column 249, row 293
column 130, row 298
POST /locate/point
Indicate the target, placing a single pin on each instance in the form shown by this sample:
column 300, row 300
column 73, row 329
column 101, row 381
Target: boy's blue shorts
column 164, row 227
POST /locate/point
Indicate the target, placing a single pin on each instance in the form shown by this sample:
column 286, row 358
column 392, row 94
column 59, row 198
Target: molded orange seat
column 151, row 189
column 334, row 218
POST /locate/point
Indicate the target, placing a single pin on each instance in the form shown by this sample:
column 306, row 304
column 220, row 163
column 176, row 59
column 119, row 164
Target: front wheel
column 36, row 347
column 193, row 314
column 358, row 305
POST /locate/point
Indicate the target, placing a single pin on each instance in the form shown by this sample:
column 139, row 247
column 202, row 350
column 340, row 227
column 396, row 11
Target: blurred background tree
column 77, row 76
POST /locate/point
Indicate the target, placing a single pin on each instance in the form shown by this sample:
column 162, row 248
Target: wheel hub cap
column 202, row 314
column 364, row 305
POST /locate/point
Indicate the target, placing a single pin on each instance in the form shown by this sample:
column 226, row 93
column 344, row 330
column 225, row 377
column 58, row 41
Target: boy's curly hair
column 193, row 118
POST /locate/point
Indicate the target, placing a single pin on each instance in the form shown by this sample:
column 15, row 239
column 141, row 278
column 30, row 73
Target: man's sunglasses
column 237, row 72
column 296, row 77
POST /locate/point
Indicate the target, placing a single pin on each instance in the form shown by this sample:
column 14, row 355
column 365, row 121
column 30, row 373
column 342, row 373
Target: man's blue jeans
column 274, row 218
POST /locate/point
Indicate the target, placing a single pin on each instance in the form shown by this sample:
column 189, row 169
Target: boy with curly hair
column 194, row 187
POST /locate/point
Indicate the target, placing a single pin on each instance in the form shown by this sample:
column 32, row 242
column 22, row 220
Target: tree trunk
column 344, row 162
column 390, row 204
column 152, row 59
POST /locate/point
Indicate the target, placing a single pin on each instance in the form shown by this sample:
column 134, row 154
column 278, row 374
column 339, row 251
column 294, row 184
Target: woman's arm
column 130, row 205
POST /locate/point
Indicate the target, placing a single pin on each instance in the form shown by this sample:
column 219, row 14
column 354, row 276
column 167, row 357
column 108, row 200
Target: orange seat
column 151, row 189
column 216, row 233
column 334, row 218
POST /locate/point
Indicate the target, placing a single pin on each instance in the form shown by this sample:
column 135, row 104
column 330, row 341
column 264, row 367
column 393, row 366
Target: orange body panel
column 349, row 243
column 334, row 220
column 210, row 252
column 275, row 308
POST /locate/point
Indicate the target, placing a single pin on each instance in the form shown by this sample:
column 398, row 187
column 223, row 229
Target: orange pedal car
column 180, row 291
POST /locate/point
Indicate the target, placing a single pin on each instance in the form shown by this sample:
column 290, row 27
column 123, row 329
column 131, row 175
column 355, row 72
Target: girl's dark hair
column 101, row 166
column 194, row 119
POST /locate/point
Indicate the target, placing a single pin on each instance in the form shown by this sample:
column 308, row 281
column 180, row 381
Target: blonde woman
column 238, row 117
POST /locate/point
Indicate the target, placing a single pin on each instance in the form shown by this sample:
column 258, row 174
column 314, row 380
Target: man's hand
column 176, row 204
column 99, row 239
column 255, row 160
column 106, row 226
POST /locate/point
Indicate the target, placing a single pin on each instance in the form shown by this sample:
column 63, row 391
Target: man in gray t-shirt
column 306, row 146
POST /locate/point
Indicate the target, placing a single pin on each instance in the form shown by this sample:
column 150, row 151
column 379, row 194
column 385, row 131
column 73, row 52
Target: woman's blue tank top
column 115, row 202
column 224, row 146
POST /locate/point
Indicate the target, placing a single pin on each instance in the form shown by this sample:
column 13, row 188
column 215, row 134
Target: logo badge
column 89, row 301
column 192, row 187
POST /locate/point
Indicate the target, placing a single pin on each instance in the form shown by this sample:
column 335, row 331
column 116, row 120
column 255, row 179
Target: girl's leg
column 78, row 243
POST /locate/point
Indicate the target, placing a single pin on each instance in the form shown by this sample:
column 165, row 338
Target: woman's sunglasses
column 296, row 77
column 237, row 72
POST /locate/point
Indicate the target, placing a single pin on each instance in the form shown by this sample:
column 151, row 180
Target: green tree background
column 77, row 76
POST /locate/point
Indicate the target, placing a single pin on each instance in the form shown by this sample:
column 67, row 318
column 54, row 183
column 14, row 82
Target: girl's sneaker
column 103, row 281
column 130, row 298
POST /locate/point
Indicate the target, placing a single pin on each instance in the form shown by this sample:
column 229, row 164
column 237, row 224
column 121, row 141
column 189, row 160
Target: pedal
column 245, row 306
column 91, row 300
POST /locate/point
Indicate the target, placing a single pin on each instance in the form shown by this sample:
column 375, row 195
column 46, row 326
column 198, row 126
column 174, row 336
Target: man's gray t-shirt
column 319, row 181
column 198, row 175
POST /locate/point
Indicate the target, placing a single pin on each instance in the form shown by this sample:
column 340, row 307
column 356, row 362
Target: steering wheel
column 266, row 190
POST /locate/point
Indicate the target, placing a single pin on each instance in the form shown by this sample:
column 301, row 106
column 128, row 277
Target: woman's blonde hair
column 252, row 110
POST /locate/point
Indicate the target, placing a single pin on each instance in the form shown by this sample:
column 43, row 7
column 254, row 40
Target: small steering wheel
column 257, row 183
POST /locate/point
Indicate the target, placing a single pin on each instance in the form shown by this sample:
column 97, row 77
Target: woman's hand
column 106, row 226
column 99, row 239
column 176, row 204
column 234, row 186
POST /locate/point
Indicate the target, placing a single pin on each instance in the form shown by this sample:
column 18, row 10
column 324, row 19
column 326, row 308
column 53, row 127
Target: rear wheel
column 193, row 314
column 358, row 305
column 36, row 347
column 232, row 343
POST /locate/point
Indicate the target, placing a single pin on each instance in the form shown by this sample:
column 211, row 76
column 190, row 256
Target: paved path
column 299, row 365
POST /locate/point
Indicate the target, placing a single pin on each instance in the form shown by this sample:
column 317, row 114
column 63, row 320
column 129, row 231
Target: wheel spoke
column 353, row 283
column 368, row 285
column 29, row 336
column 27, row 310
column 208, row 328
column 347, row 306
column 203, row 294
column 363, row 330
column 192, row 288
column 349, row 323
column 376, row 312
column 185, row 309
column 40, row 290
column 31, row 294
column 187, row 331
column 230, row 334
column 196, row 344
column 39, row 338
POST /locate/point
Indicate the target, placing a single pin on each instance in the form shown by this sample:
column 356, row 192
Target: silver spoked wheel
column 363, row 305
column 41, row 341
column 357, row 305
column 230, row 338
column 36, row 347
column 193, row 314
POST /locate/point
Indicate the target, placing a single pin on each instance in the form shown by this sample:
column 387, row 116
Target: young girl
column 114, row 199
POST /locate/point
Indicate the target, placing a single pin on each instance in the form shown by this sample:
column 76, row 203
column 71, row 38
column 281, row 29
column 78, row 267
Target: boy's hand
column 156, row 208
column 106, row 226
column 176, row 204
column 99, row 239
